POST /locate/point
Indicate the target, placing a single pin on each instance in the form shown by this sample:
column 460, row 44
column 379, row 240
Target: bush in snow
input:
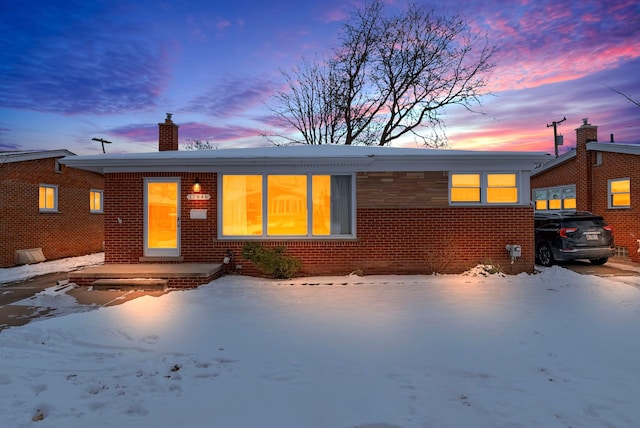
column 271, row 261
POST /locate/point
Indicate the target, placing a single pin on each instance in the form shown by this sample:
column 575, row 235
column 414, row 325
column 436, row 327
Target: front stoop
column 134, row 284
column 178, row 275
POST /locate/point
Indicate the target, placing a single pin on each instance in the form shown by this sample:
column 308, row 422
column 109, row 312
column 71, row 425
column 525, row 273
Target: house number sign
column 198, row 196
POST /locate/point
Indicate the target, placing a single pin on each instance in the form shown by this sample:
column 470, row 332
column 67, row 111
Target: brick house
column 603, row 178
column 45, row 205
column 337, row 208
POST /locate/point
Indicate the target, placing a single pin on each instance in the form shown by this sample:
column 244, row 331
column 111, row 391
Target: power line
column 555, row 132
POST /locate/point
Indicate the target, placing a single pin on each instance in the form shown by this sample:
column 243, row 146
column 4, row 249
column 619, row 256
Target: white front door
column 162, row 217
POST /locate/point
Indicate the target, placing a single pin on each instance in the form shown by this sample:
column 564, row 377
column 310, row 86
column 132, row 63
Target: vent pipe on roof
column 612, row 140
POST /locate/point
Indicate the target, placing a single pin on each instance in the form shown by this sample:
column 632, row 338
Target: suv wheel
column 599, row 261
column 544, row 255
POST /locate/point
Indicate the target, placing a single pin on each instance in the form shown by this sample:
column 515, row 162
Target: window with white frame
column 270, row 205
column 95, row 201
column 620, row 193
column 555, row 198
column 48, row 198
column 483, row 188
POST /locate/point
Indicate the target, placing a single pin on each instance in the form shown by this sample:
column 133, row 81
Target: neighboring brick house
column 337, row 208
column 603, row 178
column 44, row 204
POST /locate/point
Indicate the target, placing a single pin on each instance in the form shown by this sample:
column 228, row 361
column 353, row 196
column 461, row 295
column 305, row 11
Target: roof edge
column 554, row 162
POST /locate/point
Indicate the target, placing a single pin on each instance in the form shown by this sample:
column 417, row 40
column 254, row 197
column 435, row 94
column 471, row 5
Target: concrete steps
column 134, row 284
column 118, row 276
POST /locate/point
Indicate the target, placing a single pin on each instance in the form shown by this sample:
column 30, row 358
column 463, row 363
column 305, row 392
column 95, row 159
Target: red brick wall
column 561, row 175
column 584, row 135
column 72, row 231
column 625, row 222
column 416, row 241
column 396, row 235
column 124, row 200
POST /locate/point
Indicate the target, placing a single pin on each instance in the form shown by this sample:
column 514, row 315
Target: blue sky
column 74, row 70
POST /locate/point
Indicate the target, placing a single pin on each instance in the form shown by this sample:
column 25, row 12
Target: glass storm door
column 162, row 217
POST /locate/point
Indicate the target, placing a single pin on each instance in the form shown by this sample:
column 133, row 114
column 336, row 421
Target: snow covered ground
column 555, row 349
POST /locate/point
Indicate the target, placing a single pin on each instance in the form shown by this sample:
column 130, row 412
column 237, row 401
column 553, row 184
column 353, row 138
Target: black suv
column 571, row 235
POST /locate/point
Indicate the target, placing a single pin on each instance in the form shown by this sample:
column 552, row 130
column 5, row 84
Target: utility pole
column 109, row 142
column 555, row 132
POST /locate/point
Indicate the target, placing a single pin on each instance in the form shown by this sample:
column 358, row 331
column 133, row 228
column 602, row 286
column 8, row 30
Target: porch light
column 196, row 185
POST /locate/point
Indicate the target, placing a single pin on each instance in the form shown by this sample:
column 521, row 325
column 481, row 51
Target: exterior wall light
column 196, row 186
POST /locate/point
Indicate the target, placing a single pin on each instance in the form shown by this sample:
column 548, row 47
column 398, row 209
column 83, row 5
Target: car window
column 585, row 223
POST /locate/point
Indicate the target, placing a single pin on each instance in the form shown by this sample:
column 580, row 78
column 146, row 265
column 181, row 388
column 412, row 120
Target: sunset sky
column 75, row 70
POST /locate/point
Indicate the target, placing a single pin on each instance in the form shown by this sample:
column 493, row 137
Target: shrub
column 271, row 261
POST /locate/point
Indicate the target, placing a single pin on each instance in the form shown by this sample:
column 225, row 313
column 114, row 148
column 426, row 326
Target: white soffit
column 309, row 158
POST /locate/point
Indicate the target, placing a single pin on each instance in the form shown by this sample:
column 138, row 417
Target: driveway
column 618, row 270
column 13, row 314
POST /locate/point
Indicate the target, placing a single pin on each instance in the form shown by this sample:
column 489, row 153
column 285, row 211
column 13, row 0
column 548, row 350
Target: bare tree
column 631, row 100
column 195, row 144
column 389, row 77
column 308, row 105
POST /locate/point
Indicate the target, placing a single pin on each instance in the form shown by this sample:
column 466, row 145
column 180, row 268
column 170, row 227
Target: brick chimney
column 167, row 135
column 584, row 161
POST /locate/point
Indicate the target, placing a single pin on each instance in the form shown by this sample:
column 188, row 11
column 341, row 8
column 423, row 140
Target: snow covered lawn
column 555, row 349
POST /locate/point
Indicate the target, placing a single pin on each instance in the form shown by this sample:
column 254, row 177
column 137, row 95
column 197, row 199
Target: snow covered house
column 47, row 210
column 338, row 209
column 603, row 178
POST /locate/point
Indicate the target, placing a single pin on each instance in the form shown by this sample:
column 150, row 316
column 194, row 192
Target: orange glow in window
column 287, row 205
column 321, row 190
column 569, row 203
column 162, row 215
column 242, row 205
column 501, row 188
column 465, row 187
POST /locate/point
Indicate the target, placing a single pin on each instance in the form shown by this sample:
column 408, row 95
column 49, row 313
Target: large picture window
column 620, row 193
column 485, row 188
column 286, row 205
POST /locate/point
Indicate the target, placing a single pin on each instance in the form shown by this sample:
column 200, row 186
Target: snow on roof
column 327, row 157
column 27, row 155
column 630, row 149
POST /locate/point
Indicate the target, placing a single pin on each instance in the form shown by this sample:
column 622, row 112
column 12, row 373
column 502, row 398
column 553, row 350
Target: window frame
column 610, row 194
column 484, row 186
column 53, row 209
column 265, row 209
column 562, row 191
column 101, row 193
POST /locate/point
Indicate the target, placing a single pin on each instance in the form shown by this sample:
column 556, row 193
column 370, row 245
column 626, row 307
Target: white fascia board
column 270, row 159
column 629, row 149
column 34, row 155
